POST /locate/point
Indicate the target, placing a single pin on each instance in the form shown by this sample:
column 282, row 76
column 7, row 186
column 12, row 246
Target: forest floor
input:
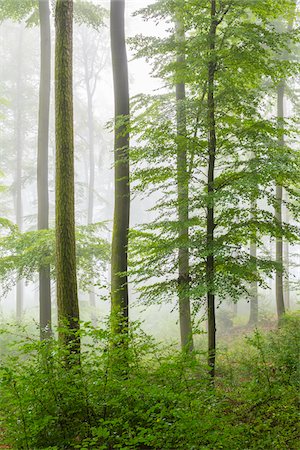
column 164, row 402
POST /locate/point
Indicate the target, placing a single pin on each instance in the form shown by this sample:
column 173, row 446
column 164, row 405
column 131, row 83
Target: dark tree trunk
column 212, row 143
column 119, row 281
column 186, row 332
column 278, row 210
column 67, row 299
column 42, row 161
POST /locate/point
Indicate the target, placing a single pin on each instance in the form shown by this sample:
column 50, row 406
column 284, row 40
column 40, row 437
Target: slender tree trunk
column 253, row 318
column 67, row 298
column 212, row 144
column 234, row 309
column 286, row 256
column 279, row 191
column 91, row 132
column 278, row 210
column 42, row 161
column 119, row 281
column 91, row 170
column 19, row 136
column 186, row 332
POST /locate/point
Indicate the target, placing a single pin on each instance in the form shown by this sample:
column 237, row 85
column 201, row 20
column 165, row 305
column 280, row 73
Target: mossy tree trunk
column 212, row 145
column 67, row 298
column 119, row 281
column 186, row 332
column 42, row 161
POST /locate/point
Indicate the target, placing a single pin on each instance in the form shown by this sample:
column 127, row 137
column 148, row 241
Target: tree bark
column 67, row 298
column 42, row 162
column 186, row 332
column 119, row 281
column 278, row 210
column 212, row 144
column 19, row 135
column 91, row 166
column 286, row 256
column 253, row 318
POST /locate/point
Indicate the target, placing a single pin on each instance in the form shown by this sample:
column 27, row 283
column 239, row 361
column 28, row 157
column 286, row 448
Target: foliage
column 22, row 254
column 85, row 12
column 249, row 159
column 165, row 401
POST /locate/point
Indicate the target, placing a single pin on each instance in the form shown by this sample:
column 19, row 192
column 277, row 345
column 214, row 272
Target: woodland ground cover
column 152, row 397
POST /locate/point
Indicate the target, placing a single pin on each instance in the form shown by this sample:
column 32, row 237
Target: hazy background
column 19, row 53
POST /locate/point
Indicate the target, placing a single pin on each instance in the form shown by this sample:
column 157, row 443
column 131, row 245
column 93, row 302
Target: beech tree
column 67, row 298
column 186, row 331
column 119, row 256
column 279, row 286
column 42, row 160
column 226, row 73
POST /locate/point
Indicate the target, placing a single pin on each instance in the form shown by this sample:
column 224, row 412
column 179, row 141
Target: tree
column 210, row 226
column 42, row 161
column 278, row 208
column 119, row 258
column 280, row 304
column 227, row 70
column 67, row 298
column 182, row 197
column 19, row 135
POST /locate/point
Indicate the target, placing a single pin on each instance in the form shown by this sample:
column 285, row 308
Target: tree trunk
column 42, row 161
column 19, row 136
column 253, row 318
column 286, row 256
column 186, row 332
column 212, row 143
column 67, row 299
column 278, row 210
column 91, row 132
column 119, row 281
column 91, row 169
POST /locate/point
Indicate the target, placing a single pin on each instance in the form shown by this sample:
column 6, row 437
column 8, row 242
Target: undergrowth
column 161, row 400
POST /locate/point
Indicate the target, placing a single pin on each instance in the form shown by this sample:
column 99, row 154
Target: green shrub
column 151, row 397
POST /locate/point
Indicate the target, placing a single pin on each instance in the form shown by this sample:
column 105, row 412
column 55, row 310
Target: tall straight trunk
column 19, row 135
column 286, row 284
column 119, row 281
column 286, row 257
column 253, row 318
column 67, row 298
column 91, row 132
column 186, row 332
column 91, row 169
column 42, row 161
column 278, row 209
column 212, row 144
column 279, row 190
